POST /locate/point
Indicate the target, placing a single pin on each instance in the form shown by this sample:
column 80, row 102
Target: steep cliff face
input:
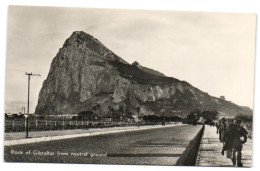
column 85, row 73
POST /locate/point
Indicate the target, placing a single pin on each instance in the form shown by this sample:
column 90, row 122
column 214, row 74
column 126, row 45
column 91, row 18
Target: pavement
column 18, row 138
column 210, row 151
column 150, row 145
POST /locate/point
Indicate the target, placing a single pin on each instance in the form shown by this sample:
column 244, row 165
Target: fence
column 19, row 125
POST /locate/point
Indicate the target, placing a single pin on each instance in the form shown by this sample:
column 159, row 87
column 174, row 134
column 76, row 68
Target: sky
column 214, row 52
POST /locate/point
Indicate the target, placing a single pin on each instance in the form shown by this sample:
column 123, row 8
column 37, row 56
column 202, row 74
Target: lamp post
column 28, row 104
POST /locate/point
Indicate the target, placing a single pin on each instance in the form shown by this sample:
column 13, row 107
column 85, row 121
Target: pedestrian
column 228, row 139
column 222, row 128
column 239, row 138
column 217, row 126
column 163, row 123
column 194, row 122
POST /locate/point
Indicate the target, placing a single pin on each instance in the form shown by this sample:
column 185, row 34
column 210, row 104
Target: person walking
column 217, row 126
column 222, row 129
column 228, row 139
column 163, row 123
column 239, row 135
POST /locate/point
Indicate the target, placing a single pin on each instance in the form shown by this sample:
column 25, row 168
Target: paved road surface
column 154, row 147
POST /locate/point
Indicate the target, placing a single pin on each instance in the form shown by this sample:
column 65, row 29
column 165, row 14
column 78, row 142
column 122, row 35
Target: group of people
column 233, row 135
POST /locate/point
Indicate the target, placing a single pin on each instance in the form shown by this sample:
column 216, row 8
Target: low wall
column 188, row 157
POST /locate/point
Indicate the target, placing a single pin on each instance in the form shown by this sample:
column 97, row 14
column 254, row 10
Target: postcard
column 129, row 87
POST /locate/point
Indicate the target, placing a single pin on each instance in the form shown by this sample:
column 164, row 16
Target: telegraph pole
column 28, row 104
column 23, row 110
column 26, row 117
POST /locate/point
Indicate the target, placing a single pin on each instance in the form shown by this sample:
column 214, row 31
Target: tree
column 98, row 108
column 121, row 111
column 86, row 114
column 111, row 111
column 94, row 108
column 138, row 111
column 129, row 115
column 244, row 117
column 151, row 118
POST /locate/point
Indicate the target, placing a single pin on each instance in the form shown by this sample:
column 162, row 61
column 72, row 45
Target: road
column 161, row 146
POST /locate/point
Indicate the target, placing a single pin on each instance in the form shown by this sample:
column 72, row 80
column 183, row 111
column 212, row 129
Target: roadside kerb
column 52, row 138
column 189, row 156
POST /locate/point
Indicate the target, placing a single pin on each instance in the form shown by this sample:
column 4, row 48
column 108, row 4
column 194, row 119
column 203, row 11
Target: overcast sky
column 212, row 51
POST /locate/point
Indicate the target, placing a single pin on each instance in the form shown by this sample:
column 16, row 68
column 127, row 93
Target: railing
column 19, row 125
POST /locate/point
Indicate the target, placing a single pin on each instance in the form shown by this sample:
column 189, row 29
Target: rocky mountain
column 85, row 73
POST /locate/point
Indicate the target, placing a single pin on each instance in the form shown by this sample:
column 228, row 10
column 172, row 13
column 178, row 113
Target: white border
column 251, row 6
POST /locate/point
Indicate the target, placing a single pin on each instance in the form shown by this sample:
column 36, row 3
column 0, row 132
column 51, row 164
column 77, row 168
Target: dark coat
column 228, row 139
column 236, row 136
column 222, row 132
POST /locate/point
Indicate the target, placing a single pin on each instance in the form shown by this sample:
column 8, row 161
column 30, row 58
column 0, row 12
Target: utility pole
column 28, row 104
column 23, row 110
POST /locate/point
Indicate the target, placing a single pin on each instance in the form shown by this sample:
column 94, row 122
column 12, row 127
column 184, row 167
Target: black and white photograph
column 129, row 87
